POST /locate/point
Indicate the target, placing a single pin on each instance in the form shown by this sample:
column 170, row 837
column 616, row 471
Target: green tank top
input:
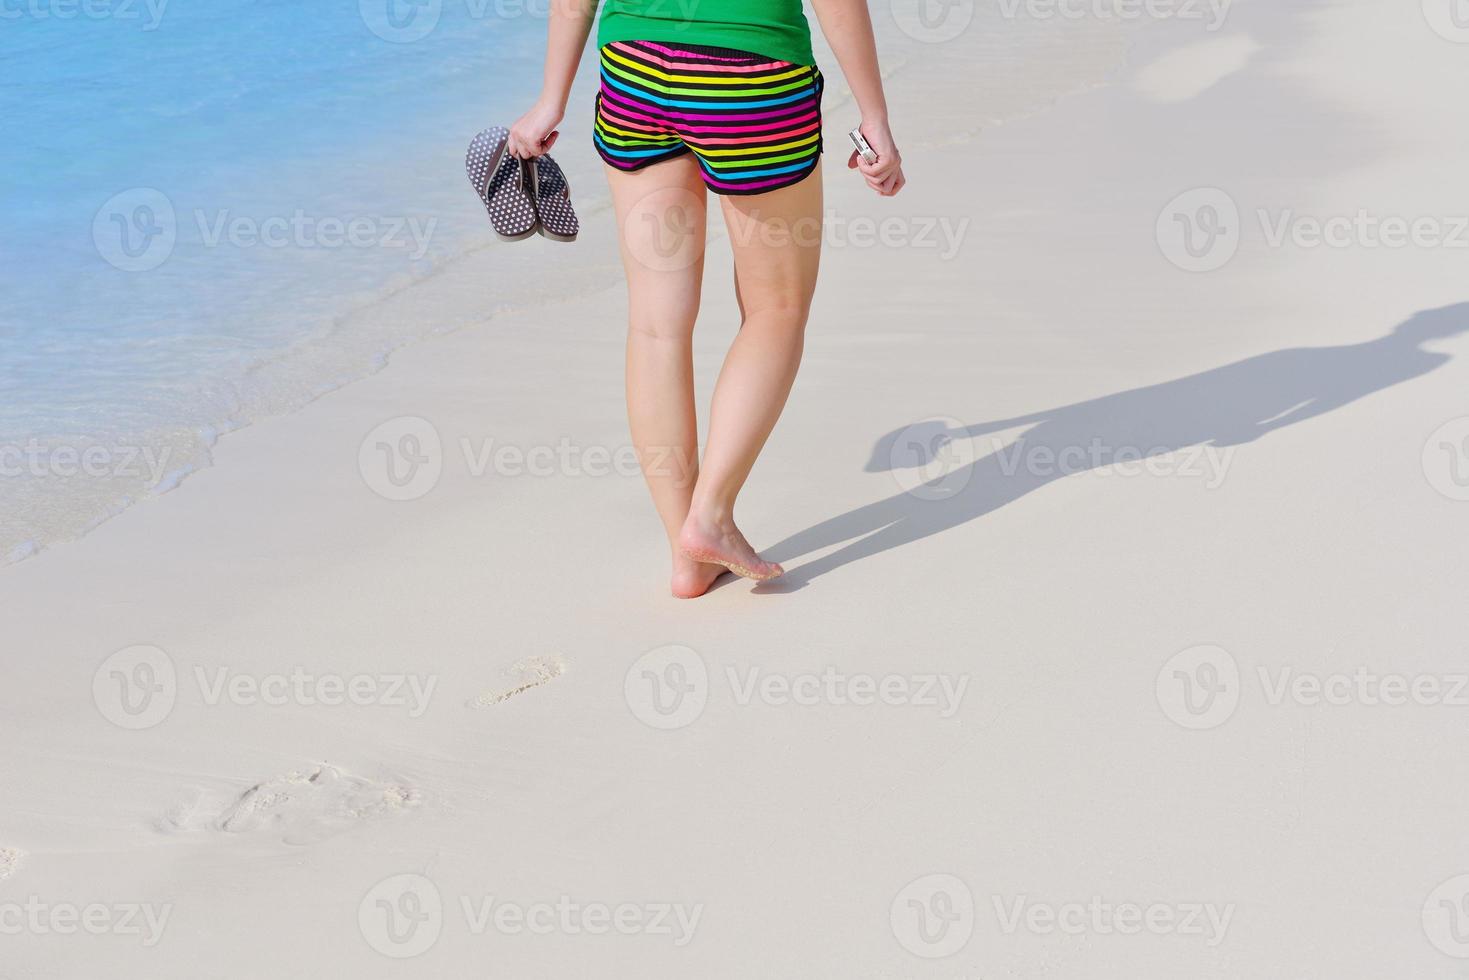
column 774, row 28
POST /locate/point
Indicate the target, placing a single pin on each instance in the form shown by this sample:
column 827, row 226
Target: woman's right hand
column 886, row 175
column 534, row 133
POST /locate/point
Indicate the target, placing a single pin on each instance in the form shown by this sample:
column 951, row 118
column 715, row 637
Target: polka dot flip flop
column 553, row 201
column 503, row 185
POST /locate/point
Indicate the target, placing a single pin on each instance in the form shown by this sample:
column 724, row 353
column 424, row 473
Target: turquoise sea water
column 190, row 189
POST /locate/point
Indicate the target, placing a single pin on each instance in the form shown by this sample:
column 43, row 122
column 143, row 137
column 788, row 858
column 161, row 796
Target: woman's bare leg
column 661, row 216
column 776, row 238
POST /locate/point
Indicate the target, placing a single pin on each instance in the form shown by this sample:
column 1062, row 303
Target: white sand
column 1048, row 763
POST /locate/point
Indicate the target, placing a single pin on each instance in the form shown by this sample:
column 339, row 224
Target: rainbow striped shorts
column 753, row 124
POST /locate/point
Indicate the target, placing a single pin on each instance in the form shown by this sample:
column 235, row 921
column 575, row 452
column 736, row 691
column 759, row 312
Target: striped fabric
column 754, row 124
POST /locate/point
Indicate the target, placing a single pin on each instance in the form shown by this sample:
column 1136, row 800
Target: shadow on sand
column 1214, row 410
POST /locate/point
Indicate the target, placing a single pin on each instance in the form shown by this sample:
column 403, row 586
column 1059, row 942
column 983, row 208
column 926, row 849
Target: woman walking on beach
column 722, row 96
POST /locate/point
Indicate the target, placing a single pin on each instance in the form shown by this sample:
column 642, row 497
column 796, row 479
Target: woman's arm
column 848, row 29
column 566, row 36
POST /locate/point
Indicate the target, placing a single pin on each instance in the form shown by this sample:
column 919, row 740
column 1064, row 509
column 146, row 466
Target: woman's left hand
column 886, row 175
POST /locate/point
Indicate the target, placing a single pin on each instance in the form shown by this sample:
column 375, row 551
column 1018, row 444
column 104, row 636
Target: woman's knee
column 780, row 317
column 663, row 322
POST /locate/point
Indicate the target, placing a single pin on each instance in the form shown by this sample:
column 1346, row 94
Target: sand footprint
column 528, row 673
column 10, row 858
column 300, row 807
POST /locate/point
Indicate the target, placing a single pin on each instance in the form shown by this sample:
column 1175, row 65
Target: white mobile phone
column 864, row 149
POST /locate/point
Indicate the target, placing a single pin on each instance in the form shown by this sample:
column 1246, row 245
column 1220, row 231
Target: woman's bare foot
column 692, row 579
column 721, row 543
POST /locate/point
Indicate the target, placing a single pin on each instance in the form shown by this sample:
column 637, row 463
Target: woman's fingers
column 881, row 171
column 878, row 176
column 529, row 139
column 885, row 174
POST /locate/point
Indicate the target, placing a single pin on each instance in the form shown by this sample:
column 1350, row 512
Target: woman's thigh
column 776, row 239
column 661, row 219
